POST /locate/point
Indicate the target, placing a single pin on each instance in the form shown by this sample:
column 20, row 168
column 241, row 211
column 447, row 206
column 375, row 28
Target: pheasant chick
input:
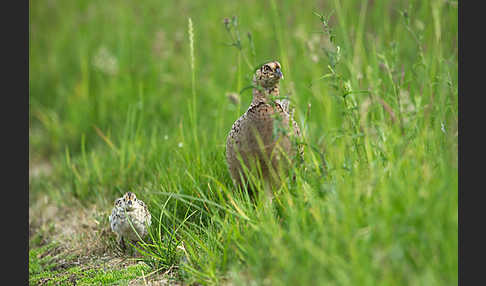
column 130, row 218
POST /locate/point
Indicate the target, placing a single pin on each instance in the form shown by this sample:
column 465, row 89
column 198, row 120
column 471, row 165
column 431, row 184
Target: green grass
column 121, row 98
column 44, row 268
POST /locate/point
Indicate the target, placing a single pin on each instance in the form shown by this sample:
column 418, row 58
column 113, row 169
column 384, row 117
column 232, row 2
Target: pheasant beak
column 130, row 206
column 279, row 73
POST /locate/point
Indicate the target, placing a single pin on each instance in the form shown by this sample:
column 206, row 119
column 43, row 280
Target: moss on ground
column 49, row 266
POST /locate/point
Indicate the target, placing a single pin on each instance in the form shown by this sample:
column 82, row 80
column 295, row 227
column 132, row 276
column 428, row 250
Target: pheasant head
column 268, row 75
column 129, row 199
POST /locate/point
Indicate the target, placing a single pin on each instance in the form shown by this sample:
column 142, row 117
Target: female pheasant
column 262, row 138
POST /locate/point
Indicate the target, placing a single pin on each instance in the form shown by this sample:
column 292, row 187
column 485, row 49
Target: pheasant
column 129, row 218
column 262, row 138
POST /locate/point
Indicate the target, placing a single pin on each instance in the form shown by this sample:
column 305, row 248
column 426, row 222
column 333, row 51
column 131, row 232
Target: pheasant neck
column 264, row 94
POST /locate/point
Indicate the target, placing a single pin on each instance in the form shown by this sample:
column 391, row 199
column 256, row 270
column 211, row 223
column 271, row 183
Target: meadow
column 134, row 95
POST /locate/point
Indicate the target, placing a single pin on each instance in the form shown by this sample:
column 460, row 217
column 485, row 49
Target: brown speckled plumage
column 263, row 135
